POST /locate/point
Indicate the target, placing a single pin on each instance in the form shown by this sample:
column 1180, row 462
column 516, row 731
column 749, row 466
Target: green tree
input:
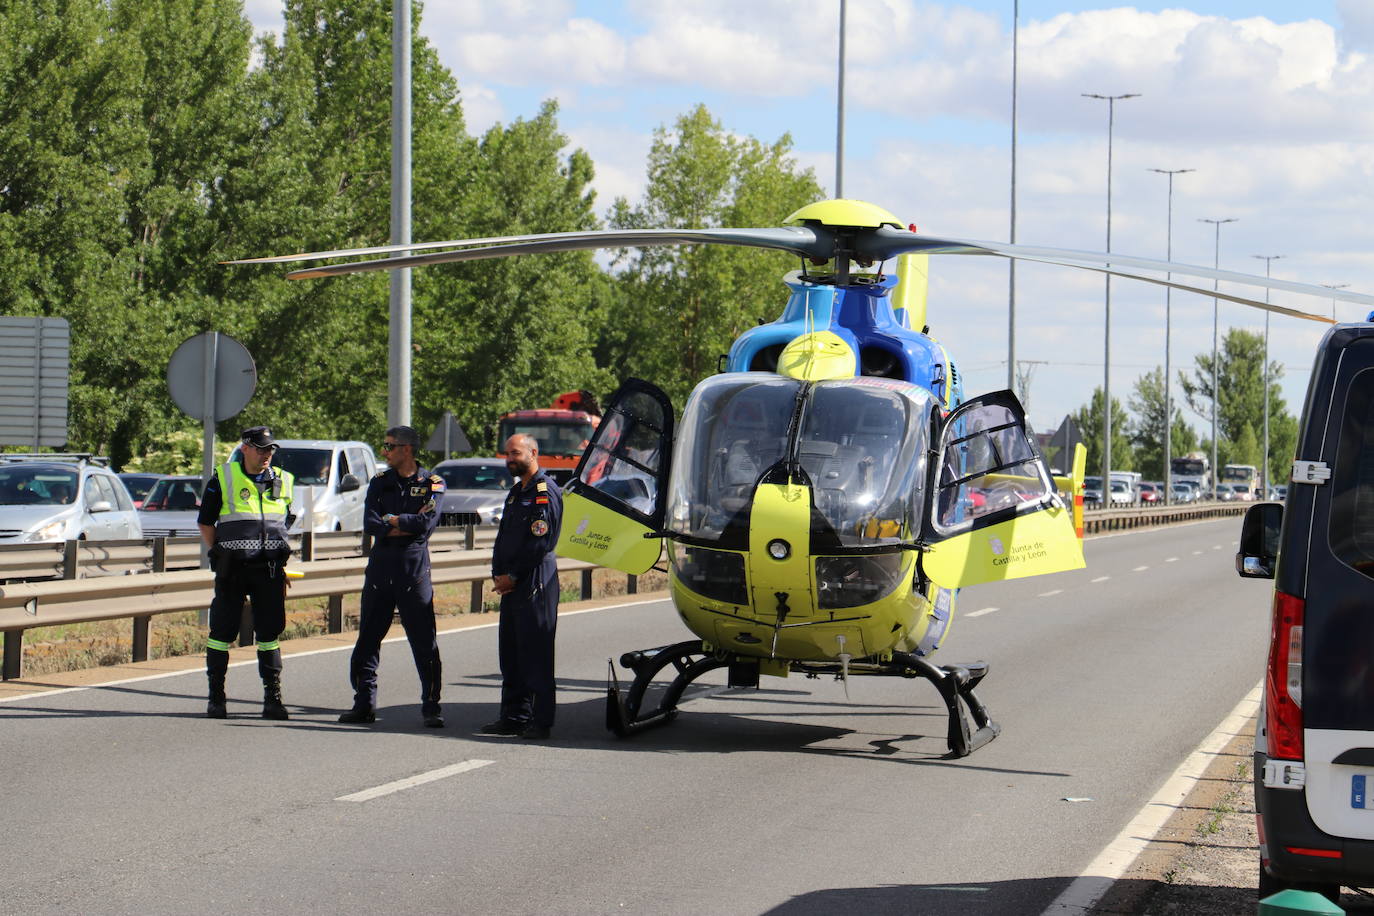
column 1146, row 431
column 1089, row 420
column 675, row 310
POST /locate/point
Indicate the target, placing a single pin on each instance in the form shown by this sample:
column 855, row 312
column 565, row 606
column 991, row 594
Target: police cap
column 259, row 436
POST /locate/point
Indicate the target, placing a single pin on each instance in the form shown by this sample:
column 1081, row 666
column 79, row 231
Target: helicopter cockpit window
column 863, row 446
column 988, row 466
column 625, row 460
column 733, row 430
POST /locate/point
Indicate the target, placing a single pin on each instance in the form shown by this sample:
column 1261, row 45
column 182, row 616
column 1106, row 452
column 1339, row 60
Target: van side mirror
column 1259, row 541
column 349, row 483
column 101, row 505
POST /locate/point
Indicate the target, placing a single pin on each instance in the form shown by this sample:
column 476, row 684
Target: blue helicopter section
column 863, row 317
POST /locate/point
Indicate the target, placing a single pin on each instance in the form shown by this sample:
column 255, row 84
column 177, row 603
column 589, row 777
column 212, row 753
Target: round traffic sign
column 221, row 361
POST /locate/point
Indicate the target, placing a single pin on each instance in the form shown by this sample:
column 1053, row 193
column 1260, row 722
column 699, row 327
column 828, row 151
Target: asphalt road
column 787, row 800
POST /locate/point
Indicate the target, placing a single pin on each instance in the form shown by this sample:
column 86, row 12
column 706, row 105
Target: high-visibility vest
column 252, row 523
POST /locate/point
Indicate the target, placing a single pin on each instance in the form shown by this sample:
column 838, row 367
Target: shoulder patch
column 541, row 486
column 379, row 474
column 435, row 478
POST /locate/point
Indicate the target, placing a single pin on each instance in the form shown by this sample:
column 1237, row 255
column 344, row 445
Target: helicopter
column 825, row 497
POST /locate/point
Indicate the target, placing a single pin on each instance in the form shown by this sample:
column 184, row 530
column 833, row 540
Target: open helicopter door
column 994, row 512
column 614, row 504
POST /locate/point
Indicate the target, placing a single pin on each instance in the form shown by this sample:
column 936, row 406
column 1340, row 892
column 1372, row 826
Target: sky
column 1270, row 103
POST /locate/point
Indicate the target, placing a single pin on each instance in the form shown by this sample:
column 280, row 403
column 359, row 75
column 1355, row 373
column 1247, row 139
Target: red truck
column 562, row 430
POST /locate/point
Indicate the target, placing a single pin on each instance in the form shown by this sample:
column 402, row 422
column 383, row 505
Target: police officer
column 525, row 573
column 244, row 514
column 401, row 511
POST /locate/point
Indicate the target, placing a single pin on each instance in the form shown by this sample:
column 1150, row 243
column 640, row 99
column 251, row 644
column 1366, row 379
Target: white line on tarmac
column 986, row 610
column 1140, row 569
column 1111, row 863
column 1171, row 560
column 411, row 782
column 1050, row 593
column 303, row 654
column 1101, row 579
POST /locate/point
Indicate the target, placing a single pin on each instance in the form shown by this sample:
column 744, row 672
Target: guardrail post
column 14, row 655
column 476, row 607
column 140, row 650
column 470, row 537
column 586, row 585
column 159, row 555
column 632, row 585
column 335, row 622
column 246, row 637
column 69, row 559
column 308, row 548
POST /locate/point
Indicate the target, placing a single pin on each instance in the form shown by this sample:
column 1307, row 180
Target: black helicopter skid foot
column 956, row 683
column 625, row 712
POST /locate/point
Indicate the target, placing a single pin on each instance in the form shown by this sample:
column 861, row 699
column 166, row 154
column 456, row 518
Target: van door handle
column 1356, row 757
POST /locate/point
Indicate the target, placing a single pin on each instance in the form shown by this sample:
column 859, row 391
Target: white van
column 331, row 480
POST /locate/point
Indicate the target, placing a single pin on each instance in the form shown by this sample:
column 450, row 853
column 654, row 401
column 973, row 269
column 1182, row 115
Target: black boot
column 272, row 707
column 269, row 666
column 216, row 664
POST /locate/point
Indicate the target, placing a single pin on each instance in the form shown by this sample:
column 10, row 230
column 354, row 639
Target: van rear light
column 1283, row 680
column 1319, row 853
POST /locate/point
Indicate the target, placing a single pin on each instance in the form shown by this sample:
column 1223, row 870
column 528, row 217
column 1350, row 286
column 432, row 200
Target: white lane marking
column 1101, row 579
column 1171, row 560
column 986, row 610
column 1140, row 569
column 1216, row 546
column 1197, row 553
column 411, row 782
column 302, row 654
column 1088, row 888
column 1049, row 593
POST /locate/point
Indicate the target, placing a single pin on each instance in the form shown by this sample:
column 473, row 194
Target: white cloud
column 1357, row 24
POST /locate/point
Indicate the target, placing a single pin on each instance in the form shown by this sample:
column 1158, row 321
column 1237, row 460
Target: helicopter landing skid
column 626, row 715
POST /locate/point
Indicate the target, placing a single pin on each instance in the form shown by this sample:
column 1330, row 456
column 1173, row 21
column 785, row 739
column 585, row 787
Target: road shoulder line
column 1112, row 862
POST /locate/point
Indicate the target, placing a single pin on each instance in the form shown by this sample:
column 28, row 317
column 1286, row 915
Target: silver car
column 477, row 489
column 171, row 508
column 63, row 498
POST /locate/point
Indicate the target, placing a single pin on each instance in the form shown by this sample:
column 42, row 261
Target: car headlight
column 53, row 531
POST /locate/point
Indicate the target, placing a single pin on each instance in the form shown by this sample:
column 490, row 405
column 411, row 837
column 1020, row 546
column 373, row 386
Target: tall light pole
column 1335, row 286
column 1168, row 319
column 398, row 383
column 1216, row 394
column 1011, row 262
column 1111, row 101
column 839, row 117
column 1264, row 471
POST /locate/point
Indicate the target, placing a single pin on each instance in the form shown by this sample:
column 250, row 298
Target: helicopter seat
column 739, row 473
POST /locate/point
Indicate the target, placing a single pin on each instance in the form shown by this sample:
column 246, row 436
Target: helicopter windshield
column 859, row 443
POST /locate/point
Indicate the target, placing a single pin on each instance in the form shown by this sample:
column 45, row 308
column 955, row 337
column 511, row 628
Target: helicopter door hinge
column 1313, row 472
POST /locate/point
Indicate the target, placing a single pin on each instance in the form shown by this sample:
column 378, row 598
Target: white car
column 171, row 508
column 331, row 480
column 62, row 497
column 1121, row 493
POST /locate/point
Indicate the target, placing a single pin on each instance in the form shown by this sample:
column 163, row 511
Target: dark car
column 138, row 484
column 1314, row 747
column 171, row 507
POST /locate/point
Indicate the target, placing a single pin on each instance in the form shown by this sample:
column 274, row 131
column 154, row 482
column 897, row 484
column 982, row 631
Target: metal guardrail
column 1096, row 521
column 454, row 557
column 82, row 559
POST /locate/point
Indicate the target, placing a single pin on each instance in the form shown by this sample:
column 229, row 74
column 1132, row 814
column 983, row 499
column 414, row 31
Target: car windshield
column 556, row 438
column 475, row 476
column 138, row 485
column 1092, row 483
column 1119, row 486
column 173, row 493
column 37, row 486
column 310, row 466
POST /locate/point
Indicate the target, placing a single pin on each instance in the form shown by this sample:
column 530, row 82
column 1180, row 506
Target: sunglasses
column 388, row 446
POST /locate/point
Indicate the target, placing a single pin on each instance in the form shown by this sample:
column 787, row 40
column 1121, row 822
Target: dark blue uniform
column 529, row 613
column 398, row 577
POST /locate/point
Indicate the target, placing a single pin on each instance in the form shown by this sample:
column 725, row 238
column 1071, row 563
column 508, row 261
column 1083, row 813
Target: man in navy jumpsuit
column 401, row 511
column 525, row 573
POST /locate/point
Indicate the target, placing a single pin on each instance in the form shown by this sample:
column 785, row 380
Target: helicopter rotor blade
column 806, row 242
column 1184, row 287
column 885, row 242
column 385, row 249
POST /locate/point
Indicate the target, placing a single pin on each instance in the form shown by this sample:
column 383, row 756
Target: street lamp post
column 1334, row 286
column 1264, row 471
column 1168, row 320
column 1011, row 262
column 1216, row 394
column 839, row 113
column 1111, row 101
